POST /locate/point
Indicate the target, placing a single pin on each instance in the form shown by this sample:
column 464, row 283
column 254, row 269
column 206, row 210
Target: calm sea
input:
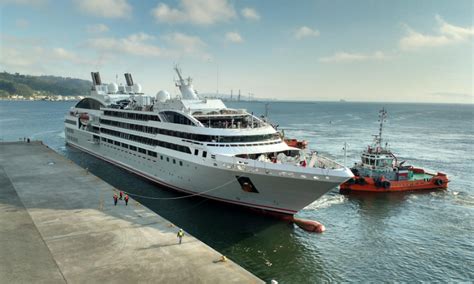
column 425, row 236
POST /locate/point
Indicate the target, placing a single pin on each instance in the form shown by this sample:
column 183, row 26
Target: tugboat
column 380, row 171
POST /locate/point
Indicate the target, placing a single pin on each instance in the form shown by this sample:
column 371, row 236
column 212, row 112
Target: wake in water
column 326, row 201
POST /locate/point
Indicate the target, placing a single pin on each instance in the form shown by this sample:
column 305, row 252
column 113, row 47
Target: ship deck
column 421, row 176
column 58, row 224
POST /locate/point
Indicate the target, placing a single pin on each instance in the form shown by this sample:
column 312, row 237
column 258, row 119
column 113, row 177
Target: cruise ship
column 198, row 146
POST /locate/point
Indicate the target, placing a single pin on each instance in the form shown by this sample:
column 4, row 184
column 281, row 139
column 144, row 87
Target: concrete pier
column 58, row 224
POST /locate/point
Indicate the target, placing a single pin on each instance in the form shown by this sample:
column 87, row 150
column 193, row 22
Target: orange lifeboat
column 300, row 144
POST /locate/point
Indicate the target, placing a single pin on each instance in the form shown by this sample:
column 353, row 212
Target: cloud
column 233, row 37
column 29, row 55
column 353, row 57
column 453, row 95
column 184, row 44
column 250, row 14
column 135, row 44
column 305, row 32
column 448, row 34
column 25, row 2
column 105, row 8
column 144, row 45
column 22, row 23
column 97, row 29
column 199, row 12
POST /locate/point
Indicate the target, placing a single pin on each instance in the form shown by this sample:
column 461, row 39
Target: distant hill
column 27, row 85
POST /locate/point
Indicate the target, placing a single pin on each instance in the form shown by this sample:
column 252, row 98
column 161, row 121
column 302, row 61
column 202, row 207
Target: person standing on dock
column 115, row 199
column 180, row 235
column 121, row 195
column 126, row 199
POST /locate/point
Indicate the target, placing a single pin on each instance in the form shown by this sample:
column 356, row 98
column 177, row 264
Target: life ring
column 386, row 184
column 439, row 182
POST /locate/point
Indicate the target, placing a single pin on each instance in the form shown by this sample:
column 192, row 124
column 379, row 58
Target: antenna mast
column 382, row 119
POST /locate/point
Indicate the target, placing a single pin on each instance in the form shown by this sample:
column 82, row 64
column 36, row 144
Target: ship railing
column 278, row 169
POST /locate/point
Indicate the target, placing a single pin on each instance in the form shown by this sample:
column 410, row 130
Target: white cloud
column 25, row 2
column 33, row 56
column 250, row 14
column 22, row 23
column 63, row 54
column 447, row 34
column 105, row 8
column 305, row 32
column 185, row 44
column 135, row 44
column 353, row 57
column 143, row 45
column 199, row 12
column 233, row 37
column 97, row 29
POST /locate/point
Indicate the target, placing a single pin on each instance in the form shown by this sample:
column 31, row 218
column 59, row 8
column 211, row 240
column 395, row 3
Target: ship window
column 89, row 103
column 161, row 157
column 167, row 159
column 124, row 145
column 174, row 161
column 181, row 163
column 142, row 150
column 196, row 152
column 175, row 117
column 133, row 148
column 204, row 154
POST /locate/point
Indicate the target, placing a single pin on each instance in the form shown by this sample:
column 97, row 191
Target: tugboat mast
column 382, row 119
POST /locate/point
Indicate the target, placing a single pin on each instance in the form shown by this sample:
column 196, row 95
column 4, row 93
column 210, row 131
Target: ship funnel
column 128, row 78
column 96, row 78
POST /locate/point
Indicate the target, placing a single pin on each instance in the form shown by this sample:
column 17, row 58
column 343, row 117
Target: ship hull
column 271, row 193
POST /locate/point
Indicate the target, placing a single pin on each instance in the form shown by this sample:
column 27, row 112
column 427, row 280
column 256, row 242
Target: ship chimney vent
column 128, row 78
column 98, row 81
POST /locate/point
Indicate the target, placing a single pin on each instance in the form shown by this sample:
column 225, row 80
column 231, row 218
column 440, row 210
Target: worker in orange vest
column 115, row 199
column 126, row 199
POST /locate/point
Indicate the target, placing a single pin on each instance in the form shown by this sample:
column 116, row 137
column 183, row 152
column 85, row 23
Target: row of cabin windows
column 70, row 121
column 138, row 149
column 145, row 140
column 191, row 136
column 134, row 116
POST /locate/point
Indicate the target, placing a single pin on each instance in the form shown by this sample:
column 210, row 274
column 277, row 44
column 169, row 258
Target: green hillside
column 27, row 85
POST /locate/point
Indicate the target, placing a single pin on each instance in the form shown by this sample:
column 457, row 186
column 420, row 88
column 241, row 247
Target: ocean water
column 402, row 237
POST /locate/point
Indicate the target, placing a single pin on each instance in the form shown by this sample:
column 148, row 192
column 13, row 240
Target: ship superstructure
column 198, row 146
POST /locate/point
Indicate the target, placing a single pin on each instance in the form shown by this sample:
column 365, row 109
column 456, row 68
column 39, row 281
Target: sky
column 367, row 50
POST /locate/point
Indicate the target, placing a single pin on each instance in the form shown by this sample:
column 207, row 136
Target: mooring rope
column 180, row 197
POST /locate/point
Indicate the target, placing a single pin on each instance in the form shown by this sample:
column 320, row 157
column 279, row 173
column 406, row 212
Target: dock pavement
column 58, row 224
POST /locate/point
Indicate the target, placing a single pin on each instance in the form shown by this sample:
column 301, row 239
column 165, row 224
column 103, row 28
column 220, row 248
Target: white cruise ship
column 198, row 146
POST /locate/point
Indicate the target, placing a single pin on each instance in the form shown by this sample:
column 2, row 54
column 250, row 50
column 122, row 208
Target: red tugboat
column 380, row 171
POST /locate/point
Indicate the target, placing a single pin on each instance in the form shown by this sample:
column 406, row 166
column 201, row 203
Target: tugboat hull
column 369, row 184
